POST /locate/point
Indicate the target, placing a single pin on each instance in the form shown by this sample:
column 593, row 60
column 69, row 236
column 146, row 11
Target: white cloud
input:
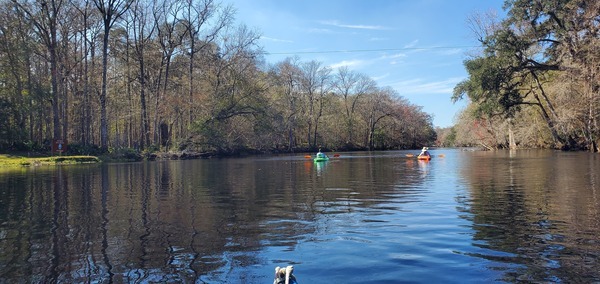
column 275, row 39
column 349, row 63
column 381, row 77
column 451, row 51
column 421, row 86
column 412, row 44
column 320, row 31
column 350, row 26
column 394, row 56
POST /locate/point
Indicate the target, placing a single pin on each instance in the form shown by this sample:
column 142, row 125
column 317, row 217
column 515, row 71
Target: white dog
column 283, row 275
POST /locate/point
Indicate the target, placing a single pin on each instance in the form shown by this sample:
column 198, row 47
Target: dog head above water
column 284, row 275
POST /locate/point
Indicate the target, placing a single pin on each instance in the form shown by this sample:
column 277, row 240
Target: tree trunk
column 549, row 121
column 129, row 96
column 191, row 80
column 54, row 81
column 511, row 137
column 103, row 118
column 145, row 127
column 86, row 89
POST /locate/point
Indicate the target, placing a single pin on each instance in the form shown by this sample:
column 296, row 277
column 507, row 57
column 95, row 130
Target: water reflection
column 164, row 221
column 423, row 167
column 536, row 212
column 531, row 216
column 321, row 166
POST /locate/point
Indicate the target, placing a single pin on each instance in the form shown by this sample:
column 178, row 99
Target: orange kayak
column 424, row 157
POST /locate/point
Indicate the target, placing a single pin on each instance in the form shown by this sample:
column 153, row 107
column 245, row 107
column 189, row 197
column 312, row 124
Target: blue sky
column 416, row 47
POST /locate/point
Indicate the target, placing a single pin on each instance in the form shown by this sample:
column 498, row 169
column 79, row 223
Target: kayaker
column 424, row 152
column 321, row 155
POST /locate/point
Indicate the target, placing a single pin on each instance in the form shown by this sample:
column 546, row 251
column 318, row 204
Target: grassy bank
column 20, row 161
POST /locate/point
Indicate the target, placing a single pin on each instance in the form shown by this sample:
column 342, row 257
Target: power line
column 369, row 50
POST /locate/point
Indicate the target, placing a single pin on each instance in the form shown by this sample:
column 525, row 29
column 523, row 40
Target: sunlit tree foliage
column 179, row 75
column 540, row 64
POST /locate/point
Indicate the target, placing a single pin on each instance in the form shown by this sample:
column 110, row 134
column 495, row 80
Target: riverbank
column 7, row 160
column 28, row 160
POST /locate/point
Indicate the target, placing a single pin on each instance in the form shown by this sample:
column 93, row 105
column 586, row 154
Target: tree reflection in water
column 532, row 216
column 522, row 207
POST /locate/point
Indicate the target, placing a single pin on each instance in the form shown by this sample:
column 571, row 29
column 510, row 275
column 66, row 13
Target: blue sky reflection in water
column 415, row 47
column 467, row 217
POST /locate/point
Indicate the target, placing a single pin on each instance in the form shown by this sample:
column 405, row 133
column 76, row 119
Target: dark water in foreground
column 380, row 217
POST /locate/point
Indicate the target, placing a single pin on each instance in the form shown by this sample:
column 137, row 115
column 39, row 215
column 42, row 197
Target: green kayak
column 321, row 157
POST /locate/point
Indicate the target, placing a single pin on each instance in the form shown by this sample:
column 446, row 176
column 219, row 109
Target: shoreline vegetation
column 79, row 155
column 9, row 160
column 35, row 159
column 14, row 160
column 32, row 159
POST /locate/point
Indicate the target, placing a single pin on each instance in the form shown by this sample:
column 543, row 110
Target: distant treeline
column 536, row 80
column 177, row 75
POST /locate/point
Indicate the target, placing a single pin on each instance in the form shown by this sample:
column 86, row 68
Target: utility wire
column 369, row 50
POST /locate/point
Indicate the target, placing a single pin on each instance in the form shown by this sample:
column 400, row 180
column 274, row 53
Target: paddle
column 310, row 157
column 411, row 155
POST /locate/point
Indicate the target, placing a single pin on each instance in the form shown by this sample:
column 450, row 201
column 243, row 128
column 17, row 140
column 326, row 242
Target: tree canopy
column 179, row 75
column 538, row 69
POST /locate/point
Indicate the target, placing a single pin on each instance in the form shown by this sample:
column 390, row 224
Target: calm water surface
column 370, row 217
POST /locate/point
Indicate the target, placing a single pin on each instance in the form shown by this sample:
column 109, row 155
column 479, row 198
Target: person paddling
column 320, row 154
column 424, row 152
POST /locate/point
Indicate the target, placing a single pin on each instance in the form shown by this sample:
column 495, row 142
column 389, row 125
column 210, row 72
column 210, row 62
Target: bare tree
column 236, row 90
column 287, row 76
column 111, row 11
column 351, row 87
column 483, row 24
column 45, row 20
column 204, row 21
column 378, row 106
column 142, row 30
column 88, row 33
column 170, row 34
column 315, row 86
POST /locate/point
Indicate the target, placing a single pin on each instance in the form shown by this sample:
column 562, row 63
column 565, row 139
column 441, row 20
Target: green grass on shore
column 20, row 161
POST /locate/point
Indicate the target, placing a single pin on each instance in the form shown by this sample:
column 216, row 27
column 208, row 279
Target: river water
column 363, row 217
